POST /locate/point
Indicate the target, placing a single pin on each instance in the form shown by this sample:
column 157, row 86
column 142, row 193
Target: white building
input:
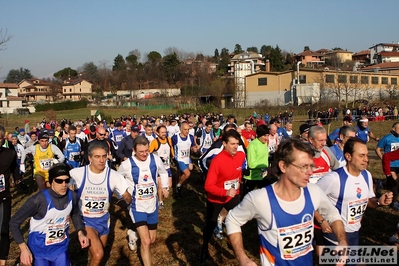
column 384, row 53
column 9, row 100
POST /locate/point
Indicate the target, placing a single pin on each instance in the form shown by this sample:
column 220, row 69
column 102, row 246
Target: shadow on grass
column 185, row 244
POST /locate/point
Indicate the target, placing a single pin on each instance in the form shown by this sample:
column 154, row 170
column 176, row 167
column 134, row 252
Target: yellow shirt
column 43, row 160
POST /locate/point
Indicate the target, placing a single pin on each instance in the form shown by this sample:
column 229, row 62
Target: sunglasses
column 60, row 181
column 101, row 134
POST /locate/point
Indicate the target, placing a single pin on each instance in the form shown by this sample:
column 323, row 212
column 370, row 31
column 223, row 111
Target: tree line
column 192, row 72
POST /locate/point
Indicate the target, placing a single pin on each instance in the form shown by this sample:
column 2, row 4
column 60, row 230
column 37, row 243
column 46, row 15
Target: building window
column 394, row 81
column 70, row 96
column 374, row 80
column 364, row 79
column 384, row 80
column 342, row 78
column 262, row 81
column 64, row 90
column 302, row 79
column 353, row 79
column 80, row 90
column 329, row 78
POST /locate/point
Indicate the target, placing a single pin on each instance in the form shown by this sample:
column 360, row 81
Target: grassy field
column 180, row 223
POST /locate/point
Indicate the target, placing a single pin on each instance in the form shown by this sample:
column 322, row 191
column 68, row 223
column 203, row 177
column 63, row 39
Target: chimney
column 267, row 65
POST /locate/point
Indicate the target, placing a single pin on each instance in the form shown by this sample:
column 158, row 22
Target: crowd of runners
column 312, row 186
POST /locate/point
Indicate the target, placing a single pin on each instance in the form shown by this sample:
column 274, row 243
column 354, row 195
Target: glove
column 22, row 168
column 55, row 161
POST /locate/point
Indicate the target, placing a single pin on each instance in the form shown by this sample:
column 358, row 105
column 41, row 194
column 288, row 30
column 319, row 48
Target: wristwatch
column 321, row 221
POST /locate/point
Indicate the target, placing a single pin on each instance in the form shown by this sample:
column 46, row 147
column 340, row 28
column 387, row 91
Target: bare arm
column 379, row 152
column 339, row 232
column 127, row 197
column 238, row 247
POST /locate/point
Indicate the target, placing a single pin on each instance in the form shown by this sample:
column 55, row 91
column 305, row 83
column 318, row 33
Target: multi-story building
column 75, row 90
column 361, row 58
column 384, row 52
column 340, row 55
column 279, row 88
column 309, row 58
column 240, row 66
column 9, row 100
column 35, row 90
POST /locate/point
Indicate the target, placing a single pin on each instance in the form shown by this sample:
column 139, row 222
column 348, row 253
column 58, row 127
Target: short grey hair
column 314, row 130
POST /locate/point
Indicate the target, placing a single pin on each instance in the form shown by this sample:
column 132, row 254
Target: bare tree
column 4, row 38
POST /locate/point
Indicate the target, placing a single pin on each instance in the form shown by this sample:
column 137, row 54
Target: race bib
column 94, row 205
column 356, row 209
column 263, row 172
column 231, row 184
column 118, row 138
column 56, row 233
column 295, row 240
column 45, row 164
column 272, row 149
column 2, row 183
column 394, row 146
column 145, row 191
column 166, row 162
column 185, row 154
column 72, row 155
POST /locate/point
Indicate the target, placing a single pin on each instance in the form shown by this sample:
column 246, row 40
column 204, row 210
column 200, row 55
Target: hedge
column 67, row 105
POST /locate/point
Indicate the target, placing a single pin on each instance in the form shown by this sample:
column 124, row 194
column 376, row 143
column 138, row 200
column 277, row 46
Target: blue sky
column 51, row 35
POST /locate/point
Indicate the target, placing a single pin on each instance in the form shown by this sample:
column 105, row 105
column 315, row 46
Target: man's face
column 216, row 125
column 60, row 189
column 364, row 124
column 231, row 146
column 101, row 133
column 347, row 123
column 22, row 133
column 14, row 141
column 288, row 127
column 58, row 129
column 208, row 128
column 299, row 171
column 184, row 130
column 78, row 130
column 359, row 159
column 231, row 121
column 396, row 129
column 43, row 143
column 134, row 134
column 66, row 128
column 248, row 127
column 33, row 137
column 142, row 152
column 148, row 131
column 273, row 130
column 162, row 133
column 319, row 141
column 72, row 134
column 345, row 138
column 264, row 138
column 98, row 159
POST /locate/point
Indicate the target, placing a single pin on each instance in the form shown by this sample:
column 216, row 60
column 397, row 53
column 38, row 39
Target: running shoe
column 178, row 192
column 132, row 240
column 218, row 234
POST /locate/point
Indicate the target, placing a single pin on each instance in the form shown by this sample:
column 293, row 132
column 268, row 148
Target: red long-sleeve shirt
column 387, row 158
column 224, row 167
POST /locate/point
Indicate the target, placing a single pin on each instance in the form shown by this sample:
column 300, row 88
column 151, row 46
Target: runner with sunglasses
column 50, row 211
